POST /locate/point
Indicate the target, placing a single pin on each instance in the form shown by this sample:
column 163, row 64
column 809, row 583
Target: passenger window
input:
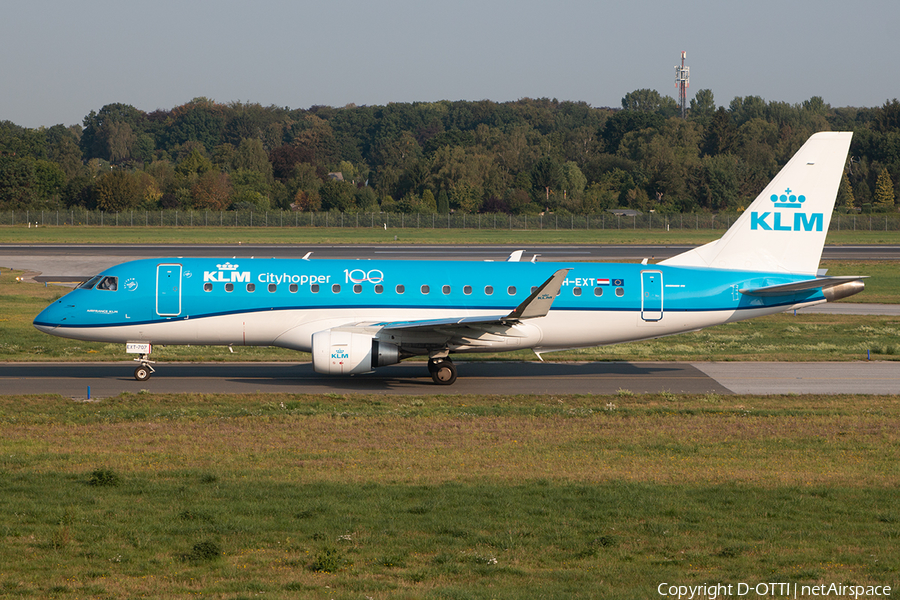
column 379, row 288
column 336, row 288
column 400, row 289
column 251, row 287
column 446, row 289
column 314, row 288
column 207, row 287
column 229, row 287
column 511, row 290
column 293, row 287
column 357, row 288
column 272, row 287
column 598, row 291
column 425, row 289
column 467, row 290
column 576, row 291
column 488, row 290
column 620, row 292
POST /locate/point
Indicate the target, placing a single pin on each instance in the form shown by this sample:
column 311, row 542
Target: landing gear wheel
column 443, row 372
column 142, row 373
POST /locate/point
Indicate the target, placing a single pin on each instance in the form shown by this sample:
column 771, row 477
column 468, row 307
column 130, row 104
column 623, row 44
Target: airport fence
column 277, row 218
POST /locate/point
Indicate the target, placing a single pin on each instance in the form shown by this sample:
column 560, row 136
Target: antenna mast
column 682, row 82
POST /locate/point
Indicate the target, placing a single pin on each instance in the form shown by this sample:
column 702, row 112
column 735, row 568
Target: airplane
column 355, row 316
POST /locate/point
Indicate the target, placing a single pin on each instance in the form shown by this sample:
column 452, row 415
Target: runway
column 501, row 378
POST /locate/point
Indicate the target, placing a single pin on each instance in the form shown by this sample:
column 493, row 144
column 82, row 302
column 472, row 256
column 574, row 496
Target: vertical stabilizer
column 784, row 229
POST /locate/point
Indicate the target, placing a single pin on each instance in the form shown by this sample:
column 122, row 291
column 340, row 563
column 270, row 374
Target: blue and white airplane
column 357, row 315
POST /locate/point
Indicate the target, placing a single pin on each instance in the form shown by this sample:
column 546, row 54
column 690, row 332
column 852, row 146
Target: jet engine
column 336, row 352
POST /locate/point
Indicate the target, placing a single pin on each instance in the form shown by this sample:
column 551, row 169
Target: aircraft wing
column 536, row 305
column 823, row 283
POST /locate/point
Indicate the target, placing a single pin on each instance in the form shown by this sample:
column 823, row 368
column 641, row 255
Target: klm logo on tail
column 801, row 221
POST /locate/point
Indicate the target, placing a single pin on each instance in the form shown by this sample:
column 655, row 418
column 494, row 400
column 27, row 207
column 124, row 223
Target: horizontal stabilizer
column 823, row 283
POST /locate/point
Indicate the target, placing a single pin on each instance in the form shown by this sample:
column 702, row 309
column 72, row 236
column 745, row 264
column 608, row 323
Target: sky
column 63, row 59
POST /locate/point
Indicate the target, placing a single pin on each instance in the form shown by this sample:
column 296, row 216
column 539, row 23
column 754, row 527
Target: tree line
column 524, row 157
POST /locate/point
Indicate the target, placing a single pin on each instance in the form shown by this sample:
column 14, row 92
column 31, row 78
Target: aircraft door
column 168, row 290
column 651, row 296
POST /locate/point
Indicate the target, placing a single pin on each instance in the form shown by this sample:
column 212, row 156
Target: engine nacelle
column 336, row 352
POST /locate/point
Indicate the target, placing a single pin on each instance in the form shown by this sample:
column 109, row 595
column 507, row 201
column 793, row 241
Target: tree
column 443, row 202
column 16, row 182
column 466, row 197
column 887, row 118
column 252, row 156
column 96, row 135
column 116, row 191
column 884, row 190
column 703, row 105
column 644, row 100
column 845, row 193
column 546, row 175
column 119, row 138
column 194, row 163
column 337, row 195
column 212, row 191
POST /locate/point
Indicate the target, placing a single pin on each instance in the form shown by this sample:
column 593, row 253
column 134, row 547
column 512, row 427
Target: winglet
column 515, row 256
column 539, row 302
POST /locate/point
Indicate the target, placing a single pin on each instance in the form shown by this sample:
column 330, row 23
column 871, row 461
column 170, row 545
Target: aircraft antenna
column 682, row 82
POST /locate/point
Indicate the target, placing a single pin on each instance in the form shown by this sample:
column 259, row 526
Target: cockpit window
column 90, row 283
column 108, row 283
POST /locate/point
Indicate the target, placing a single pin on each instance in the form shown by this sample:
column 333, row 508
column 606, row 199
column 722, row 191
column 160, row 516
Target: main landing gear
column 442, row 370
column 144, row 370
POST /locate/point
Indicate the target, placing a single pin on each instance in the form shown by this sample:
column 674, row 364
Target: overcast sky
column 62, row 59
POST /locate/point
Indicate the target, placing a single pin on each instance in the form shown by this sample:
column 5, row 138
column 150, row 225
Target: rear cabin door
column 168, row 290
column 651, row 296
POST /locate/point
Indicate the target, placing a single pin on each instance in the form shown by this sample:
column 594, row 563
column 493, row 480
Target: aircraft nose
column 52, row 317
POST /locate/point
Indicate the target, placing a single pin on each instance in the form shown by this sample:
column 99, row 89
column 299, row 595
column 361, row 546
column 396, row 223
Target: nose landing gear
column 144, row 370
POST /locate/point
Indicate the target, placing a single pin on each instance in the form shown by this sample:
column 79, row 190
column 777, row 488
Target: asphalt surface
column 411, row 378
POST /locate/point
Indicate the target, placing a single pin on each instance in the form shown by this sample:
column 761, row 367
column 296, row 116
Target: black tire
column 444, row 373
column 142, row 373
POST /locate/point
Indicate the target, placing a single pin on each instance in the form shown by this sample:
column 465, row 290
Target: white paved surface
column 805, row 378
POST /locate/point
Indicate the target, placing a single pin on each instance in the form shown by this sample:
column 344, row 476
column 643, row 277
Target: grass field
column 443, row 497
column 337, row 235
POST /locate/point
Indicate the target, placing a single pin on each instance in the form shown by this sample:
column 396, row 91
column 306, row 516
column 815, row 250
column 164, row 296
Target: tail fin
column 784, row 229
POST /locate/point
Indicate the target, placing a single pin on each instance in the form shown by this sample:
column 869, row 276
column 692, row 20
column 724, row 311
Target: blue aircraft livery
column 354, row 316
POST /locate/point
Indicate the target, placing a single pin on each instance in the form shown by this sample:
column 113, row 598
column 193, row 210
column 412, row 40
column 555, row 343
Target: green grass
column 337, row 235
column 288, row 496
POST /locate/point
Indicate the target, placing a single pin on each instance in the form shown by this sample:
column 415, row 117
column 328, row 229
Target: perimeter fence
column 209, row 218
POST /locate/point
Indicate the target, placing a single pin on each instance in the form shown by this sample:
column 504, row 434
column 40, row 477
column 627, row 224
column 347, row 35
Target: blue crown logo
column 788, row 200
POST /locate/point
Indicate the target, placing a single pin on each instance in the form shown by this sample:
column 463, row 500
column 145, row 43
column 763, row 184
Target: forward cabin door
column 168, row 290
column 651, row 296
